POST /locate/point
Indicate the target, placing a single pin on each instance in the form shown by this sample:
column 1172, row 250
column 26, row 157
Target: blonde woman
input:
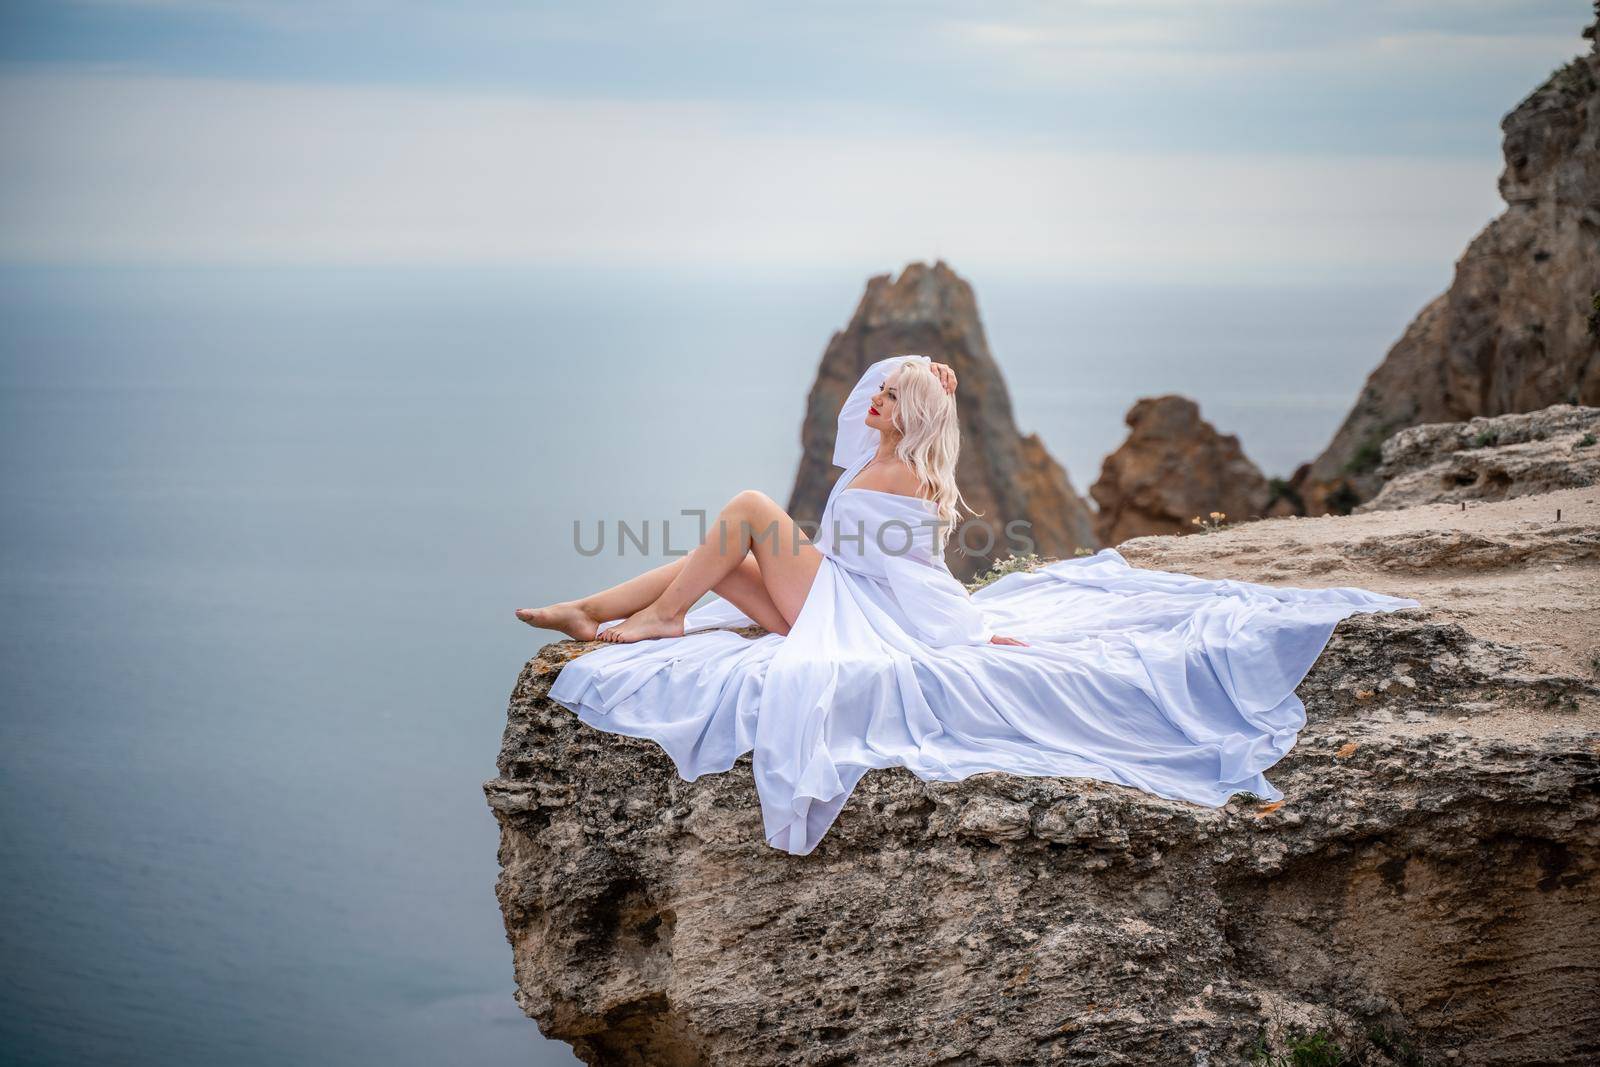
column 876, row 656
column 898, row 438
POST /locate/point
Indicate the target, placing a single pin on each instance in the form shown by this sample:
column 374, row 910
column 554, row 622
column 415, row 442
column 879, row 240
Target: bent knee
column 752, row 500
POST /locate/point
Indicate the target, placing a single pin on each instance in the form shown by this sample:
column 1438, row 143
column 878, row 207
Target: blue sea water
column 263, row 533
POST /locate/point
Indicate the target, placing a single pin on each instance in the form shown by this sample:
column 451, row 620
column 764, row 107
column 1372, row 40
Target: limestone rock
column 1429, row 884
column 1517, row 329
column 1494, row 458
column 1003, row 475
column 1173, row 467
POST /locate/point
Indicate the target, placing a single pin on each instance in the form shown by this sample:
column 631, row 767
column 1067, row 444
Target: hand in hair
column 943, row 372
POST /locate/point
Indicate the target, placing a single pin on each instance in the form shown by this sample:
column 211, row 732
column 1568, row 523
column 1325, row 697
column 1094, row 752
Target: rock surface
column 1173, row 467
column 1003, row 475
column 1429, row 882
column 1516, row 330
column 1494, row 458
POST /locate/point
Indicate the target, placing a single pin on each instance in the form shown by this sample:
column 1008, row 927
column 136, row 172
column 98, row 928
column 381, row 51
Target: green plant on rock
column 1367, row 456
column 1283, row 489
column 1304, row 1050
column 1484, row 439
column 1009, row 565
column 1572, row 77
column 1320, row 1049
column 1343, row 498
column 1586, row 441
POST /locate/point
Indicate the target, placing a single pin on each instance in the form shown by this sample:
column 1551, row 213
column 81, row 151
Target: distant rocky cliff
column 1002, row 474
column 1173, row 468
column 1428, row 892
column 1516, row 330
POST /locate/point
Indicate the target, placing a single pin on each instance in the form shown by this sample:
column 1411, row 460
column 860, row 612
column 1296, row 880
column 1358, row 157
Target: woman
column 758, row 559
column 877, row 656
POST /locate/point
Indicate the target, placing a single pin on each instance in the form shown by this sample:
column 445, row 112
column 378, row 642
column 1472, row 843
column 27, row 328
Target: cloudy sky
column 1094, row 137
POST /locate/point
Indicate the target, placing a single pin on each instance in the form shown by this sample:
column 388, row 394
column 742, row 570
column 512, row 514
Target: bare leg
column 746, row 590
column 580, row 619
column 752, row 523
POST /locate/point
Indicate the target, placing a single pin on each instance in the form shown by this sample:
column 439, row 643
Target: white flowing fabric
column 1177, row 685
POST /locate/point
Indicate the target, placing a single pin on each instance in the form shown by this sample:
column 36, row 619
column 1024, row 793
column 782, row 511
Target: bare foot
column 642, row 625
column 566, row 617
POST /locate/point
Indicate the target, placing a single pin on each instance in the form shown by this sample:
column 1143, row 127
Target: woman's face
column 880, row 416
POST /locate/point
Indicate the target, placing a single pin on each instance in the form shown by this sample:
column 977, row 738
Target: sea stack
column 1003, row 474
column 1174, row 467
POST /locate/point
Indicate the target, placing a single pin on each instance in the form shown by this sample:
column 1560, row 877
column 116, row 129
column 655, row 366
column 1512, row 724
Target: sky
column 1240, row 139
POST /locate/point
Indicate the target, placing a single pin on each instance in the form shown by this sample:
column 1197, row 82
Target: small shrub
column 1570, row 78
column 1303, row 1050
column 1211, row 523
column 1343, row 499
column 1484, row 439
column 1586, row 441
column 1009, row 565
column 1282, row 489
column 1366, row 457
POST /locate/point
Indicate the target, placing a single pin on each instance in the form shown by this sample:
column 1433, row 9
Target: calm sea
column 264, row 531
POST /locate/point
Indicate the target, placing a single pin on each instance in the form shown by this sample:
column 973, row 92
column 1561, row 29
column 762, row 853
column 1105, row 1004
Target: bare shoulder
column 892, row 477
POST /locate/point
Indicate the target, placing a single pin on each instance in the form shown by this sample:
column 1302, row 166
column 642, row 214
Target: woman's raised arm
column 855, row 439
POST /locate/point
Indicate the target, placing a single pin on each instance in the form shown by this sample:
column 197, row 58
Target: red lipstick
column 872, row 411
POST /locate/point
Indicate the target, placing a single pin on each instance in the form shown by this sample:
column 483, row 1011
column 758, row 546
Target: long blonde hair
column 930, row 440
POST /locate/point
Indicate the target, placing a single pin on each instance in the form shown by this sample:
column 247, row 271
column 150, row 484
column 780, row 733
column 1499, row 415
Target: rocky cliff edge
column 1426, row 893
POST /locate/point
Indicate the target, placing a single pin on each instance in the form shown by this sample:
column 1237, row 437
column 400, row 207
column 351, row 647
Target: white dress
column 1177, row 685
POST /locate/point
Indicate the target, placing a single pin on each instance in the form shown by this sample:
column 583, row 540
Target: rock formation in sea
column 1519, row 327
column 1491, row 458
column 1428, row 892
column 1173, row 467
column 1003, row 475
